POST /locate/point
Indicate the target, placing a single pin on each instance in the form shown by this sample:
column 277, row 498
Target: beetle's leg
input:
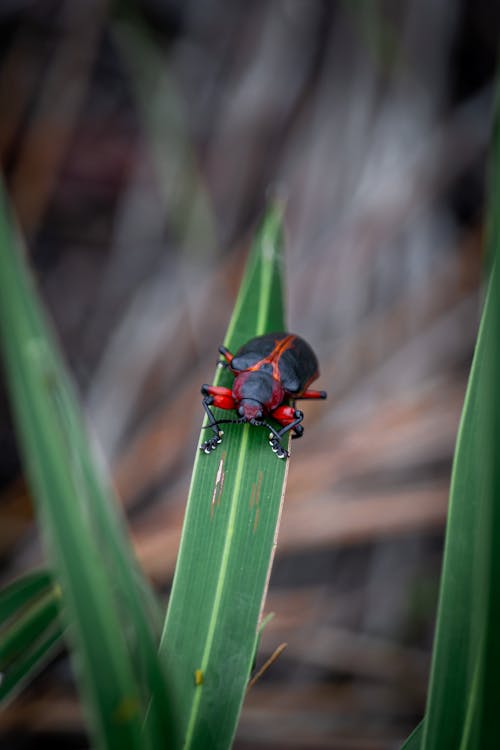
column 289, row 418
column 222, row 398
column 312, row 394
column 227, row 355
column 298, row 431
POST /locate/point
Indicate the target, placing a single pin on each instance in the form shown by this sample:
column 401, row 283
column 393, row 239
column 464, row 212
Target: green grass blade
column 414, row 741
column 228, row 536
column 462, row 702
column 465, row 656
column 30, row 629
column 186, row 201
column 106, row 601
column 22, row 591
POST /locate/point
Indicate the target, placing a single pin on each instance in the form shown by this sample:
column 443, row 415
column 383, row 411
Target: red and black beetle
column 272, row 371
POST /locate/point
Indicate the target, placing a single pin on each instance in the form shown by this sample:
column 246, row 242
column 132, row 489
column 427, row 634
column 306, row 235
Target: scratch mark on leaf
column 218, row 487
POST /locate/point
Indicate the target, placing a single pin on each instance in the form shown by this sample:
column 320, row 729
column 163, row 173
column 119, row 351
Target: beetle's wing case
column 298, row 366
column 255, row 350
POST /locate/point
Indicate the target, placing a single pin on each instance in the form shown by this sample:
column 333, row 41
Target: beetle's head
column 250, row 410
column 256, row 394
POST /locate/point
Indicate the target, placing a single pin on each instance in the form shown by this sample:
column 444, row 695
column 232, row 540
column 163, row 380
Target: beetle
column 271, row 372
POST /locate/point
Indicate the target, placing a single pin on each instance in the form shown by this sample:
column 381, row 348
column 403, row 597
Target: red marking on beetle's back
column 274, row 357
column 218, row 486
column 282, row 346
column 255, row 498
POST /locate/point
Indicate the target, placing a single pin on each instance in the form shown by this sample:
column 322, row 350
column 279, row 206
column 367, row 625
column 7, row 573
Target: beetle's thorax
column 256, row 393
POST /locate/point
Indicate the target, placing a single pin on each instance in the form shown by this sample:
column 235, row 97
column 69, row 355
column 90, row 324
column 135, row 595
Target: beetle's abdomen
column 258, row 386
column 289, row 359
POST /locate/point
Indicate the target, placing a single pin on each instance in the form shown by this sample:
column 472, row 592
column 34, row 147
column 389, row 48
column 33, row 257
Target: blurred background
column 140, row 142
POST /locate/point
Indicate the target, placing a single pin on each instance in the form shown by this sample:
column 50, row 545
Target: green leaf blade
column 21, row 592
column 467, row 624
column 228, row 536
column 414, row 741
column 107, row 603
column 462, row 701
column 30, row 630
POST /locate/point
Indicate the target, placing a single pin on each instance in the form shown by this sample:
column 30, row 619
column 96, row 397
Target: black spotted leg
column 290, row 419
column 222, row 398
